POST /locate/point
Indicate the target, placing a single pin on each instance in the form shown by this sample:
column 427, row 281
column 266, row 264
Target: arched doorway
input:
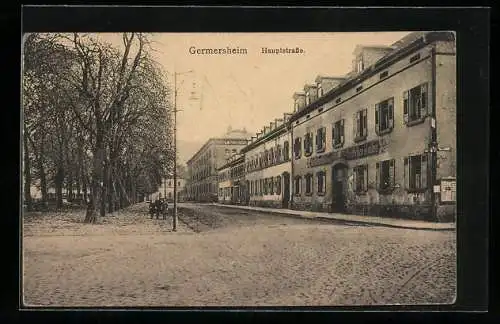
column 339, row 187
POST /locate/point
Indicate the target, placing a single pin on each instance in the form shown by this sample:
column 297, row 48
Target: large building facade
column 233, row 188
column 268, row 166
column 202, row 184
column 381, row 141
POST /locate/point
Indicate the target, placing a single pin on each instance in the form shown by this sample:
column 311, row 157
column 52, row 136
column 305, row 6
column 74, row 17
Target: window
column 360, row 125
column 384, row 116
column 278, row 185
column 320, row 139
column 279, row 154
column 296, row 106
column 169, row 183
column 338, row 134
column 359, row 64
column 308, row 98
column 286, row 151
column 321, row 182
column 308, row 144
column 320, row 89
column 169, row 195
column 179, row 183
column 338, row 100
column 383, row 75
column 358, row 89
column 271, row 186
column 416, row 172
column 309, row 184
column 385, row 172
column 297, row 185
column 360, row 174
column 415, row 104
column 297, row 147
column 266, row 187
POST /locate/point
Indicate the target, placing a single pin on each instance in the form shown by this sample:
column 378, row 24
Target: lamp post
column 174, row 222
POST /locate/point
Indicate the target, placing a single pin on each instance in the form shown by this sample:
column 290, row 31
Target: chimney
column 311, row 92
column 286, row 117
column 272, row 126
column 299, row 101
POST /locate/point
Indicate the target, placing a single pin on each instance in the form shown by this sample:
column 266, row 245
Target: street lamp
column 174, row 223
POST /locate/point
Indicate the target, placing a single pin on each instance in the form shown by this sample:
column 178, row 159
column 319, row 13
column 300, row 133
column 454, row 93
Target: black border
column 472, row 26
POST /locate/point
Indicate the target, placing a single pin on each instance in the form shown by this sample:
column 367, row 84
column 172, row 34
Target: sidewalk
column 389, row 222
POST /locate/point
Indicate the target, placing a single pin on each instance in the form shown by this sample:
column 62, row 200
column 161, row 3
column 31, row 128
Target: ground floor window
column 385, row 173
column 309, row 183
column 297, row 185
column 321, row 177
column 416, row 172
column 271, row 186
column 278, row 185
column 360, row 174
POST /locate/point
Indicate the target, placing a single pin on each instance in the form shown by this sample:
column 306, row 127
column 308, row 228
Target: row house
column 268, row 165
column 381, row 140
column 231, row 179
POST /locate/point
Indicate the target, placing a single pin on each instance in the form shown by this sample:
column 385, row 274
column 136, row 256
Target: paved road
column 237, row 259
column 205, row 217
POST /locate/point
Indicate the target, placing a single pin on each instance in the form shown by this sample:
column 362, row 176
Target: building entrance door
column 339, row 187
column 286, row 190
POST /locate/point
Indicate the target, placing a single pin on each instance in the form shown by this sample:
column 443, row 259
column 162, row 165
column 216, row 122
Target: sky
column 249, row 91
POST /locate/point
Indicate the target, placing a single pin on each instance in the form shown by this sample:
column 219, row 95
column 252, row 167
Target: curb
column 446, row 229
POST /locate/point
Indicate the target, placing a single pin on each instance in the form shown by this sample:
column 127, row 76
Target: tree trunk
column 59, row 186
column 27, row 173
column 104, row 185
column 43, row 179
column 109, row 180
column 95, row 205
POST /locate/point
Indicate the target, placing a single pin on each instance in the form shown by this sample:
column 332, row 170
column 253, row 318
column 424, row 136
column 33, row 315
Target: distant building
column 166, row 189
column 202, row 184
column 231, row 179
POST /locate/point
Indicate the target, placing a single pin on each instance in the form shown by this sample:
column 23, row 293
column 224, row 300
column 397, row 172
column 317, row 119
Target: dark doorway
column 339, row 187
column 286, row 190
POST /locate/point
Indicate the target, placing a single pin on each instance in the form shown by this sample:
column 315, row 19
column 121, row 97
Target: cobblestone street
column 221, row 257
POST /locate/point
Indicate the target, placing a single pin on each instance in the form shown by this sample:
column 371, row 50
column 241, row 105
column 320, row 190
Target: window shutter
column 354, row 179
column 392, row 173
column 423, row 100
column 405, row 106
column 377, row 113
column 365, row 170
column 333, row 135
column 323, row 137
column 355, row 125
column 391, row 113
column 342, row 131
column 377, row 175
column 423, row 176
column 365, row 122
column 407, row 173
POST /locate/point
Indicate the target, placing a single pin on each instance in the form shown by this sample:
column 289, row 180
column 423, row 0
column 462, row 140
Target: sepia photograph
column 238, row 169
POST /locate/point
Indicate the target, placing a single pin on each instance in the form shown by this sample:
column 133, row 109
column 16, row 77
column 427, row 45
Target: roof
column 212, row 140
column 395, row 54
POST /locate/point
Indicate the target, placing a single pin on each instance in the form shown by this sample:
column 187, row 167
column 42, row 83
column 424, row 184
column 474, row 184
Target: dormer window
column 308, row 98
column 296, row 106
column 320, row 90
column 359, row 64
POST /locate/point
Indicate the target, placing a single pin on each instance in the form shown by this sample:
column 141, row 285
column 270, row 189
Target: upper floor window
column 308, row 144
column 286, row 151
column 385, row 174
column 360, row 174
column 384, row 116
column 416, row 172
column 360, row 128
column 309, row 183
column 338, row 134
column 297, row 147
column 279, row 154
column 320, row 139
column 415, row 102
column 321, row 182
column 234, row 150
